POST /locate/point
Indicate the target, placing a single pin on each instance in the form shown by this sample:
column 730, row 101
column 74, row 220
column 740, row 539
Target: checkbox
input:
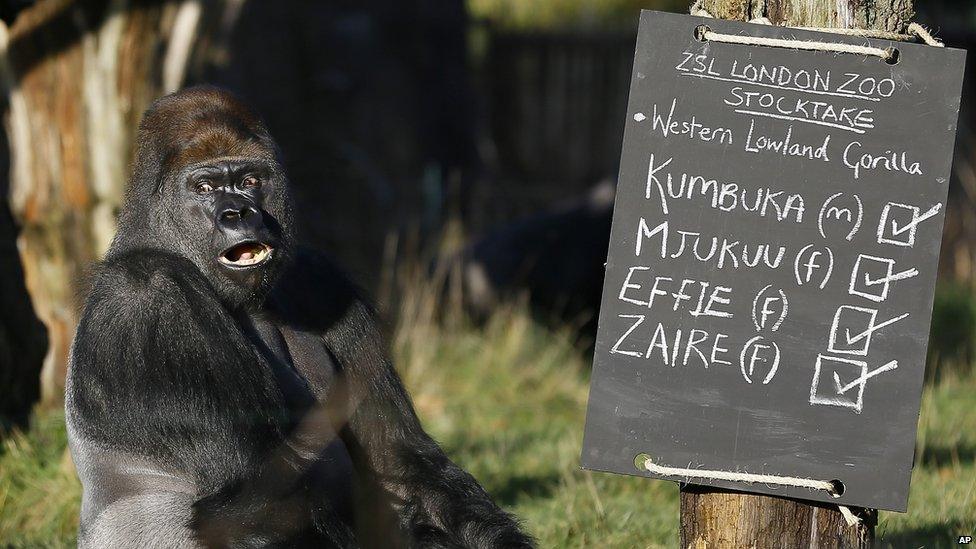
column 839, row 382
column 898, row 225
column 871, row 277
column 850, row 332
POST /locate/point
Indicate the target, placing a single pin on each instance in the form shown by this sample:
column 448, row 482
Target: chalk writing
column 890, row 231
column 830, row 210
column 762, row 311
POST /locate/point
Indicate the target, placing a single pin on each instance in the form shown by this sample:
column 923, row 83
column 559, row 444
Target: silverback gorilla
column 229, row 389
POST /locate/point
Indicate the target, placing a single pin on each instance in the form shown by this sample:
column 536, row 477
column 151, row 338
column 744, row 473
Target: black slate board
column 859, row 262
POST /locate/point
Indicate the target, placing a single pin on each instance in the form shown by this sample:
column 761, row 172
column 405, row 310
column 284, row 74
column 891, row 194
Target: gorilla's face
column 207, row 184
column 233, row 215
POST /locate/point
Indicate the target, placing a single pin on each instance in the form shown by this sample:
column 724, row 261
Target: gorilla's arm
column 161, row 371
column 438, row 504
column 160, row 368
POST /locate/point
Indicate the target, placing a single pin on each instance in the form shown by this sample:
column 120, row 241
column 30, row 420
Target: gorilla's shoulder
column 146, row 274
column 143, row 263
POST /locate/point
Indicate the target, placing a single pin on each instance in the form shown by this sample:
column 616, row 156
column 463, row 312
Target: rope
column 884, row 53
column 797, row 482
column 890, row 55
column 925, row 35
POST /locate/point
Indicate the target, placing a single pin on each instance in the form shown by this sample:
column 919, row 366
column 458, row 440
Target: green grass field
column 507, row 402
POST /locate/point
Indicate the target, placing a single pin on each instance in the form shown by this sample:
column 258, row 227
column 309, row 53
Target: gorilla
column 228, row 388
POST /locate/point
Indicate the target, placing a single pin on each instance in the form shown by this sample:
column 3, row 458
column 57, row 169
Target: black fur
column 268, row 389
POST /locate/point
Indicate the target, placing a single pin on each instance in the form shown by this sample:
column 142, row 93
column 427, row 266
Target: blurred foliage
column 550, row 14
column 952, row 341
column 557, row 14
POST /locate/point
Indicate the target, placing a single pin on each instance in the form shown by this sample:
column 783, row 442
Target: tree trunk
column 78, row 76
column 718, row 518
column 889, row 15
column 713, row 518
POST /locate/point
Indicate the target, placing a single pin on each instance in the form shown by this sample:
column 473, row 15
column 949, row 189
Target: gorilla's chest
column 307, row 375
column 303, row 366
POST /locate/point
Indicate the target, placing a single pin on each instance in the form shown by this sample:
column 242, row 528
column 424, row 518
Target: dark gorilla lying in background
column 228, row 389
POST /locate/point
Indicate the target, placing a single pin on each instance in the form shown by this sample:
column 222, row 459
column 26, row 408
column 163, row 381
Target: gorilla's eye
column 251, row 182
column 204, row 186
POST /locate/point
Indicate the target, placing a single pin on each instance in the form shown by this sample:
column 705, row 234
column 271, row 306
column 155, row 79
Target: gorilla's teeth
column 256, row 254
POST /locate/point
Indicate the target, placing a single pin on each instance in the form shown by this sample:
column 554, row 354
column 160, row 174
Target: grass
column 39, row 492
column 942, row 503
column 507, row 402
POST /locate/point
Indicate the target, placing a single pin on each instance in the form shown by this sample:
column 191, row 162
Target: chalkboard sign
column 772, row 262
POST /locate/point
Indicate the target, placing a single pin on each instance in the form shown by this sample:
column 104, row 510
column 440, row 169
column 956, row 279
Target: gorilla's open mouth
column 246, row 254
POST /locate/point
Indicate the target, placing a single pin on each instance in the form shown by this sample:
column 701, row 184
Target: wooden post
column 715, row 518
column 77, row 77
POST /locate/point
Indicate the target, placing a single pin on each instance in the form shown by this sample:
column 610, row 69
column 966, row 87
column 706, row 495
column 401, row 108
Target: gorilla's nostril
column 233, row 215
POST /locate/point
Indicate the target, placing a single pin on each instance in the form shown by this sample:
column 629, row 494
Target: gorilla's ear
column 148, row 167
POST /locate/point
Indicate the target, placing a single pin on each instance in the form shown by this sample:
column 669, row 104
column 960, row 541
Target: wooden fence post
column 716, row 518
